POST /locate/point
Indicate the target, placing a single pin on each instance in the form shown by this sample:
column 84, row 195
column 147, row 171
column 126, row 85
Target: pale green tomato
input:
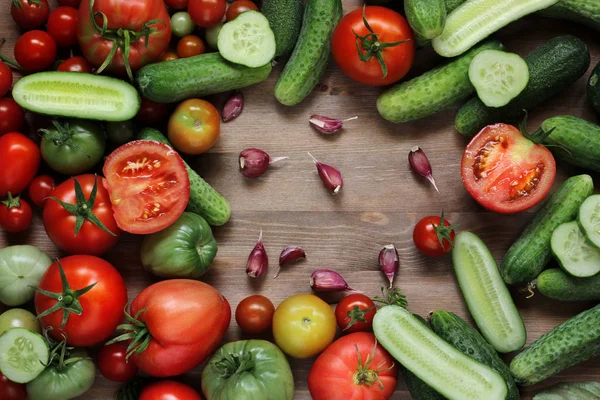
column 181, row 24
column 212, row 34
column 21, row 269
column 19, row 318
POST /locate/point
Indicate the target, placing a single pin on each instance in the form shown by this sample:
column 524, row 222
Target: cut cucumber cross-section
column 23, row 354
column 498, row 77
column 433, row 360
column 573, row 252
column 589, row 219
column 247, row 40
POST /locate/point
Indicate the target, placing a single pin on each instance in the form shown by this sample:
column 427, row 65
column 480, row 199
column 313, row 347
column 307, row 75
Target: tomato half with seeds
column 505, row 171
column 148, row 186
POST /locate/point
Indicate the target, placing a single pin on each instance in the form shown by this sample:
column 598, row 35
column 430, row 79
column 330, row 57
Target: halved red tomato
column 506, row 172
column 148, row 186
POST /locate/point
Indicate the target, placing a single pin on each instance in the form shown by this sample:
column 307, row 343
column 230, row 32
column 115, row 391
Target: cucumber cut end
column 574, row 254
column 589, row 219
column 247, row 40
column 23, row 354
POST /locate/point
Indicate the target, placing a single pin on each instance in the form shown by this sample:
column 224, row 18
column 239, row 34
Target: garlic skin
column 389, row 262
column 233, row 107
column 258, row 261
column 289, row 255
column 328, row 280
column 254, row 163
column 331, row 177
column 419, row 163
column 327, row 125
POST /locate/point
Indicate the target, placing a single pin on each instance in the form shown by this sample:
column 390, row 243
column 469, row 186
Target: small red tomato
column 6, row 78
column 40, row 188
column 169, row 390
column 11, row 390
column 35, row 51
column 113, row 363
column 354, row 313
column 254, row 314
column 62, row 26
column 12, row 116
column 19, row 161
column 70, row 3
column 433, row 236
column 207, row 13
column 152, row 112
column 169, row 56
column 238, row 7
column 15, row 214
column 190, row 46
column 75, row 64
column 177, row 4
column 29, row 14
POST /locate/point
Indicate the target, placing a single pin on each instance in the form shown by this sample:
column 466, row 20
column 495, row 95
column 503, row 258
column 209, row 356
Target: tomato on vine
column 29, row 14
column 355, row 312
column 15, row 214
column 433, row 236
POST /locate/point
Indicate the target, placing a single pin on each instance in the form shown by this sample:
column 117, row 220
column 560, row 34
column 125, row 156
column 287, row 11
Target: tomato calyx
column 234, row 364
column 444, row 232
column 60, row 354
column 12, row 202
column 391, row 297
column 17, row 3
column 357, row 315
column 135, row 331
column 536, row 137
column 364, row 375
column 61, row 134
column 369, row 45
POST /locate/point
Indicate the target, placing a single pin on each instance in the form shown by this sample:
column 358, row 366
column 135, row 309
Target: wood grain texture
column 380, row 203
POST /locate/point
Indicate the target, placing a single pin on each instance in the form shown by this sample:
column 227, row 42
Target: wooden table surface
column 379, row 204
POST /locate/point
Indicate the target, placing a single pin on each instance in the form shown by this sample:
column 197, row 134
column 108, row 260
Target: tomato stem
column 391, row 297
column 12, row 63
column 444, row 232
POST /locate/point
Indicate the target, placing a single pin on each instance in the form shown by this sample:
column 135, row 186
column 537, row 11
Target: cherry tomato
column 12, row 116
column 70, row 3
column 207, row 13
column 62, row 26
column 169, row 56
column 29, row 14
column 194, row 127
column 238, row 7
column 190, row 46
column 15, row 214
column 433, row 236
column 75, row 64
column 506, row 172
column 35, row 51
column 40, row 188
column 254, row 314
column 113, row 363
column 19, row 161
column 6, row 78
column 169, row 390
column 152, row 112
column 11, row 390
column 354, row 313
column 177, row 4
column 389, row 26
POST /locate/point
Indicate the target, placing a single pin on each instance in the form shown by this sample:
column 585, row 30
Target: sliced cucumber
column 247, row 40
column 572, row 251
column 23, row 354
column 486, row 294
column 433, row 360
column 77, row 95
column 589, row 219
column 498, row 77
column 475, row 20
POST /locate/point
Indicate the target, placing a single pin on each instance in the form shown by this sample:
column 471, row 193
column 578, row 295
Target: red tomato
column 169, row 390
column 11, row 390
column 167, row 56
column 148, row 186
column 62, row 26
column 189, row 46
column 355, row 312
column 131, row 15
column 40, row 188
column 506, row 172
column 102, row 306
column 194, row 126
column 177, row 4
column 75, row 64
column 29, row 14
column 12, row 116
column 35, row 51
column 152, row 112
column 337, row 374
column 254, row 314
column 389, row 26
column 432, row 237
column 113, row 363
column 207, row 13
column 6, row 78
column 15, row 214
column 19, row 162
column 60, row 221
column 70, row 3
column 186, row 321
column 238, row 7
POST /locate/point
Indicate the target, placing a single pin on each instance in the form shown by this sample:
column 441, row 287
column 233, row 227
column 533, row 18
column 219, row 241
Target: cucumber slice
column 247, row 40
column 498, row 77
column 437, row 363
column 77, row 95
column 572, row 251
column 475, row 20
column 486, row 294
column 589, row 219
column 23, row 354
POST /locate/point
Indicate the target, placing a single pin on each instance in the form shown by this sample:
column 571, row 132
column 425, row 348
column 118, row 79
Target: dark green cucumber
column 571, row 391
column 196, row 76
column 311, row 54
column 433, row 91
column 585, row 12
column 465, row 338
column 530, row 253
column 426, row 17
column 557, row 284
column 593, row 89
column 553, row 66
column 285, row 18
column 204, row 200
column 574, row 140
column 451, row 5
column 570, row 343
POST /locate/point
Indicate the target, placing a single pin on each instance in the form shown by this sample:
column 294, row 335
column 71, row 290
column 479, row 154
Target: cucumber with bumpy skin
column 585, row 12
column 574, row 140
column 593, row 88
column 285, row 18
column 571, row 391
column 573, row 252
column 557, row 284
column 427, row 18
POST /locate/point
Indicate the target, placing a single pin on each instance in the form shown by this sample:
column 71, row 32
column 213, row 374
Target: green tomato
column 19, row 318
column 212, row 34
column 183, row 250
column 249, row 370
column 120, row 132
column 182, row 24
column 62, row 384
column 21, row 269
column 73, row 147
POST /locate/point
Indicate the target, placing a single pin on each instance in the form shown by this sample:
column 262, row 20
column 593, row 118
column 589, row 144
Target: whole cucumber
column 585, row 12
column 285, row 18
column 311, row 54
column 530, row 253
column 557, row 284
column 571, row 391
column 427, row 18
column 574, row 140
column 593, row 89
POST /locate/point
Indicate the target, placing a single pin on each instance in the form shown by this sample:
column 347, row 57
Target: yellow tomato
column 303, row 325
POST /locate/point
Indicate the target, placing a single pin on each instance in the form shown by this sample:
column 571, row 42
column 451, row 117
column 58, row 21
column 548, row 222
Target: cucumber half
column 589, row 219
column 23, row 354
column 247, row 40
column 498, row 77
column 572, row 251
